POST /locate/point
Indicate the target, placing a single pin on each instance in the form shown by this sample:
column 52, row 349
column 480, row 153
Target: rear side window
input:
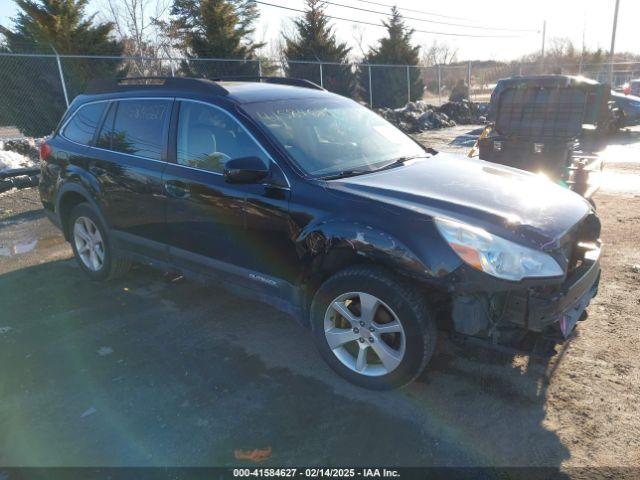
column 84, row 122
column 104, row 139
column 137, row 128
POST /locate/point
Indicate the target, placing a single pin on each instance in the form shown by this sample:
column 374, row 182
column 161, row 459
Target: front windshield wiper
column 397, row 162
column 345, row 174
column 353, row 172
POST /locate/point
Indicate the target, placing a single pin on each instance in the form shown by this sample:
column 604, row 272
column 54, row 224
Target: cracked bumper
column 539, row 309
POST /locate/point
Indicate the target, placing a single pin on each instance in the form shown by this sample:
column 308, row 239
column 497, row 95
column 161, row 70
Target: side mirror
column 245, row 170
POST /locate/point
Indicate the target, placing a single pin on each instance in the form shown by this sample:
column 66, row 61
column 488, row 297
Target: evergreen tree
column 33, row 96
column 215, row 29
column 389, row 84
column 314, row 40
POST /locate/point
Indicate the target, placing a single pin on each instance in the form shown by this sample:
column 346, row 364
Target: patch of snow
column 102, row 351
column 11, row 160
column 87, row 412
column 17, row 248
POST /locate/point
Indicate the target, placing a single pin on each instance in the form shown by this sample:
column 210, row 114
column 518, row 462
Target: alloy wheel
column 364, row 333
column 89, row 243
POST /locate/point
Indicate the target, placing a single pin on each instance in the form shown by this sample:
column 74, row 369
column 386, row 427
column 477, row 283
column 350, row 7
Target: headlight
column 494, row 255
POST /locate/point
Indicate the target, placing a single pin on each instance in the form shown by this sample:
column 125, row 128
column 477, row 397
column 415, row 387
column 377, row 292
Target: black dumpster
column 550, row 124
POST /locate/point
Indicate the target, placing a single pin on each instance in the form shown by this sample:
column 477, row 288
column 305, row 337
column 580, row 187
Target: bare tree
column 271, row 54
column 358, row 37
column 560, row 56
column 136, row 24
column 439, row 53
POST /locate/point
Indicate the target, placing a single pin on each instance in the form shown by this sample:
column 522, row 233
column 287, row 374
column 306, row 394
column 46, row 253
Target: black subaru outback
column 277, row 189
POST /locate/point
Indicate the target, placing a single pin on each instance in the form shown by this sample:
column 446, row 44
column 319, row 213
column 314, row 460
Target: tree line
column 139, row 32
column 189, row 29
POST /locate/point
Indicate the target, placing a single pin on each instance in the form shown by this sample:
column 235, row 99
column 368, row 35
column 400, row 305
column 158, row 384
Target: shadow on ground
column 152, row 371
column 467, row 139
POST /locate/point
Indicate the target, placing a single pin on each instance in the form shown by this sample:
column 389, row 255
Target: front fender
column 318, row 243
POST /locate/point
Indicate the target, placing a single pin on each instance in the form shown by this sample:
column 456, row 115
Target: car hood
column 512, row 203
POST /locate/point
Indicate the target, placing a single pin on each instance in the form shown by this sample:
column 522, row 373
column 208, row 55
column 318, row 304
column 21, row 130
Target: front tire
column 372, row 327
column 92, row 246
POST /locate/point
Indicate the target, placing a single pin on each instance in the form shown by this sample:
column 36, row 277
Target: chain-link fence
column 36, row 89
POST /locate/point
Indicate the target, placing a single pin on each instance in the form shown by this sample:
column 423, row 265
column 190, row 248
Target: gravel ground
column 153, row 371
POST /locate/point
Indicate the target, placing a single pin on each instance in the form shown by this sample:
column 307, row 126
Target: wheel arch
column 69, row 196
column 334, row 246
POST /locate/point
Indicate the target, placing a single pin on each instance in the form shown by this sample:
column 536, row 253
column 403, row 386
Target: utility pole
column 544, row 37
column 613, row 43
column 584, row 33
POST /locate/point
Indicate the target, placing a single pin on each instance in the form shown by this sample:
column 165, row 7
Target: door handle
column 176, row 188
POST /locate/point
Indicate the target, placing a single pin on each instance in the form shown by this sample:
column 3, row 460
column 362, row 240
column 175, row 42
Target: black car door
column 206, row 216
column 127, row 160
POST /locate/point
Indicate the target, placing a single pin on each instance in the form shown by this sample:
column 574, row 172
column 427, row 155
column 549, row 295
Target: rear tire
column 92, row 245
column 372, row 327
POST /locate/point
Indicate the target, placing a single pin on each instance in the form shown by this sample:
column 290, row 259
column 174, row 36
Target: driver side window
column 208, row 137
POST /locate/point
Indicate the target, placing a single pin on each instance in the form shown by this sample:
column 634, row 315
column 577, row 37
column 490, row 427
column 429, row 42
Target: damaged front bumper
column 548, row 309
column 539, row 309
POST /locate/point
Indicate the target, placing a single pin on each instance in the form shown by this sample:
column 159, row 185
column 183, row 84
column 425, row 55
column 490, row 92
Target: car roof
column 241, row 91
column 250, row 92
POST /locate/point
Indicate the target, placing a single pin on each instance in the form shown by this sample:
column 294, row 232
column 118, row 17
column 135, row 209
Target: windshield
column 329, row 136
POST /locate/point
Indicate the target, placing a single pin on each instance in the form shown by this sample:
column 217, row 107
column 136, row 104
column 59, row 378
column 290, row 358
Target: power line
column 482, row 27
column 415, row 11
column 382, row 26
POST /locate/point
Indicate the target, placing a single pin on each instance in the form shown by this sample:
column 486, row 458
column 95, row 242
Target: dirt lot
column 152, row 371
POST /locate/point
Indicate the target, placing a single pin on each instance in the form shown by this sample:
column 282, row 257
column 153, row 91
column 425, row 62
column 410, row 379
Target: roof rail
column 201, row 85
column 296, row 82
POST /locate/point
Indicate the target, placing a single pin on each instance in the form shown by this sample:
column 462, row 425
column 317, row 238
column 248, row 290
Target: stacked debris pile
column 420, row 116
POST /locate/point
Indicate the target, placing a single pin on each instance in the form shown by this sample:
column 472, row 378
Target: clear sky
column 565, row 18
